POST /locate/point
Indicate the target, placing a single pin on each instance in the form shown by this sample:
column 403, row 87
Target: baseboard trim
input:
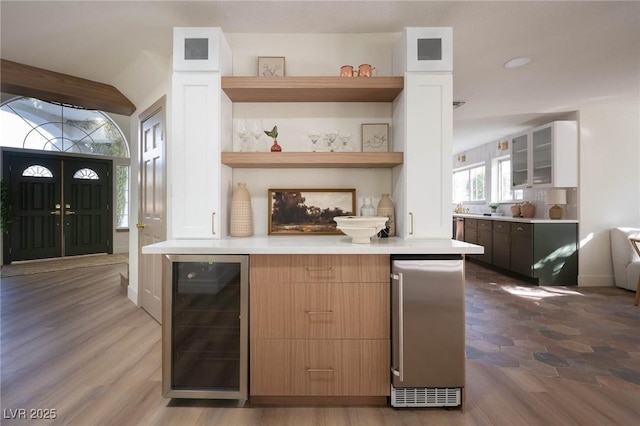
column 319, row 400
column 132, row 295
column 596, row 281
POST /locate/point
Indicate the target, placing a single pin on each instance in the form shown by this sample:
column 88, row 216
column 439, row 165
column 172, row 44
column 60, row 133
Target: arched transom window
column 30, row 123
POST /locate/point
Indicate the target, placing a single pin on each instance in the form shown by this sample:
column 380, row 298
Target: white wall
column 609, row 186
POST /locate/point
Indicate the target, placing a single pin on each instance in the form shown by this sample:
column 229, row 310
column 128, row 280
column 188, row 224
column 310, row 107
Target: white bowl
column 361, row 228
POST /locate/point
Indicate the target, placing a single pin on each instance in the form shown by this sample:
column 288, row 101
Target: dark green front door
column 61, row 206
column 87, row 199
column 35, row 185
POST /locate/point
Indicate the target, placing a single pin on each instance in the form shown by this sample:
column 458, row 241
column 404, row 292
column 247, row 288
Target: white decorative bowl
column 361, row 228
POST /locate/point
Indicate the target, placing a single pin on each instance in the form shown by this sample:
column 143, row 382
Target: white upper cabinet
column 201, row 49
column 551, row 153
column 424, row 49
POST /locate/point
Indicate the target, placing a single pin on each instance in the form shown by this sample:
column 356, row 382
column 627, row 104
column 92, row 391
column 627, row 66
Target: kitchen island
column 319, row 309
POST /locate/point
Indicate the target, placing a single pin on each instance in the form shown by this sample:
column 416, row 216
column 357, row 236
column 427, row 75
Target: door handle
column 400, row 371
column 140, row 225
column 410, row 223
column 55, row 212
column 69, row 213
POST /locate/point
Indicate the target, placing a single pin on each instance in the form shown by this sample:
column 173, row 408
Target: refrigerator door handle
column 400, row 371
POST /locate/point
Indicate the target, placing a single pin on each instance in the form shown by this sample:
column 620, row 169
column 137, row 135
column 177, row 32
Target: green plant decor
column 6, row 207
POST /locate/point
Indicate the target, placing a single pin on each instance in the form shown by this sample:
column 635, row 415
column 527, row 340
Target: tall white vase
column 241, row 212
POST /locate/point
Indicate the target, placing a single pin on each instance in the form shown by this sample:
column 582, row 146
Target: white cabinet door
column 197, row 205
column 555, row 155
column 520, row 161
column 424, row 180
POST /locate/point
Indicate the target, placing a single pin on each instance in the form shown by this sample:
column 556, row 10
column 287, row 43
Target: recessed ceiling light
column 518, row 62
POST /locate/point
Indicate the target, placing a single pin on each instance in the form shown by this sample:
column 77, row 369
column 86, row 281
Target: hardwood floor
column 72, row 342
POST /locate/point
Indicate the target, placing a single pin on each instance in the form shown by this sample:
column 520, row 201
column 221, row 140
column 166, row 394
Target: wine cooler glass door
column 208, row 329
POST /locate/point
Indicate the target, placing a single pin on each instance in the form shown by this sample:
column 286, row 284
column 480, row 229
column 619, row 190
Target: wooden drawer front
column 522, row 229
column 319, row 367
column 485, row 224
column 319, row 310
column 300, row 268
column 502, row 227
column 470, row 223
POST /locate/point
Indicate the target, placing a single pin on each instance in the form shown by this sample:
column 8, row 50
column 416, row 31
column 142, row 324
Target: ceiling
column 586, row 54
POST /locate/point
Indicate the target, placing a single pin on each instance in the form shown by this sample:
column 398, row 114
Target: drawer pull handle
column 520, row 228
column 320, row 370
column 319, row 312
column 319, row 269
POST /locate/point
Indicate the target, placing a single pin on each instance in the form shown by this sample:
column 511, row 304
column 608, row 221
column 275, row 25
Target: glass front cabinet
column 205, row 327
column 520, row 160
column 545, row 156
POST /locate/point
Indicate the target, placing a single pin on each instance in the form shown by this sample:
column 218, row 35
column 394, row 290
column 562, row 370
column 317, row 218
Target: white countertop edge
column 311, row 245
column 514, row 219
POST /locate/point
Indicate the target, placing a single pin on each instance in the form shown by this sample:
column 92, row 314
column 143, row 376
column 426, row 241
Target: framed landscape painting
column 308, row 211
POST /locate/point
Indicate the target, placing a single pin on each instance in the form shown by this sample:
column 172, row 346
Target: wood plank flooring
column 72, row 342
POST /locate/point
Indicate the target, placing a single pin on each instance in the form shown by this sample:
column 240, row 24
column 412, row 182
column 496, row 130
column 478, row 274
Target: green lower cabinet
column 545, row 253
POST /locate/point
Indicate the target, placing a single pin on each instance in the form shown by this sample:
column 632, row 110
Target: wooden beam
column 25, row 80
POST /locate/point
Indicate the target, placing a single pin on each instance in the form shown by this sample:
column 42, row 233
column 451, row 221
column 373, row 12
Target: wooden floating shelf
column 312, row 89
column 268, row 160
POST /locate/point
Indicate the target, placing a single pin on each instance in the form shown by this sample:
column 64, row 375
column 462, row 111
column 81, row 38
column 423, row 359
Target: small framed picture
column 375, row 137
column 270, row 66
column 309, row 211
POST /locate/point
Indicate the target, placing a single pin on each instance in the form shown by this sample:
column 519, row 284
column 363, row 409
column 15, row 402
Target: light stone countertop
column 513, row 219
column 320, row 244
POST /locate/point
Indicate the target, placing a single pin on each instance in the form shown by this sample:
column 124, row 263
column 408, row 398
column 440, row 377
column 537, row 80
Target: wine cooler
column 205, row 327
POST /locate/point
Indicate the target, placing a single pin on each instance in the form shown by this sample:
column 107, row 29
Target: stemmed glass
column 345, row 138
column 331, row 136
column 314, row 135
column 257, row 131
column 243, row 134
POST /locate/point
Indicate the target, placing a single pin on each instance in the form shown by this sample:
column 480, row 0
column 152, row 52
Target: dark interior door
column 35, row 185
column 87, row 207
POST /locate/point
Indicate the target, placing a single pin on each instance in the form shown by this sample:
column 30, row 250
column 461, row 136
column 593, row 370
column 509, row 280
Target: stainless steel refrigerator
column 428, row 331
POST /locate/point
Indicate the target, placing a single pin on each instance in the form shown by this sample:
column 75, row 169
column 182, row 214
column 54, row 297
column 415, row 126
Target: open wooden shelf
column 312, row 89
column 268, row 160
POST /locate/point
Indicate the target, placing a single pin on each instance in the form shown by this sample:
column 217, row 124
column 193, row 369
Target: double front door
column 60, row 206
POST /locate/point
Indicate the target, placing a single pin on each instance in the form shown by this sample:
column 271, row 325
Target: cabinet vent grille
column 425, row 397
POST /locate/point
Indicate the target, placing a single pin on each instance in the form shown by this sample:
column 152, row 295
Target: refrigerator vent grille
column 425, row 397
